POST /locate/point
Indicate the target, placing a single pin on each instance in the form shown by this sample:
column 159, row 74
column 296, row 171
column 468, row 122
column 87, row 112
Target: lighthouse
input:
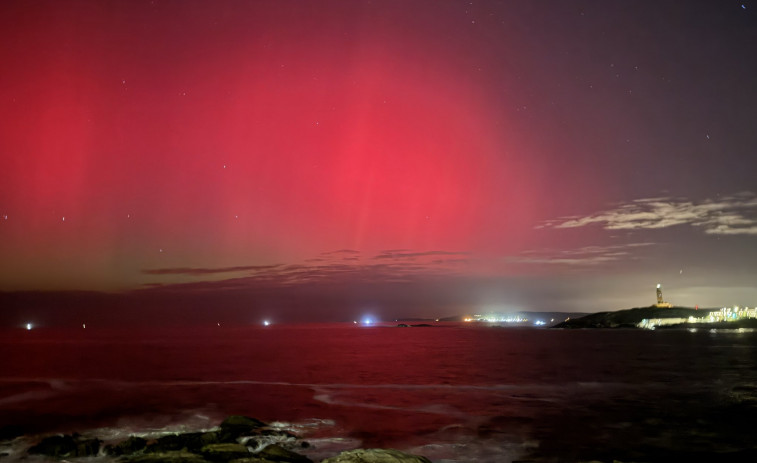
column 660, row 302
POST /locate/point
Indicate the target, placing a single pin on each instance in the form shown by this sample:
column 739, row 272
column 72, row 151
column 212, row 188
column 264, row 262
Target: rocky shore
column 238, row 439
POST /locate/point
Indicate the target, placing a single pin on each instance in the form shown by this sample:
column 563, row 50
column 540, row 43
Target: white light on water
column 28, row 326
column 266, row 323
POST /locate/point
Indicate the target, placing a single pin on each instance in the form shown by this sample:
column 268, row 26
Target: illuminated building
column 660, row 301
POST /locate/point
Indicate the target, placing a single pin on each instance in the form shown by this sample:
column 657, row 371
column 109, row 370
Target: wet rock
column 278, row 453
column 63, row 446
column 55, row 446
column 224, row 452
column 251, row 460
column 376, row 456
column 131, row 445
column 191, row 441
column 166, row 457
column 236, row 426
column 87, row 447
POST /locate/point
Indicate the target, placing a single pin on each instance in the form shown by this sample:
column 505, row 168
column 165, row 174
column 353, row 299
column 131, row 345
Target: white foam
column 325, row 447
column 471, row 449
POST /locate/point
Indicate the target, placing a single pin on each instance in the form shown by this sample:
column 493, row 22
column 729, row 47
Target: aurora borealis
column 425, row 158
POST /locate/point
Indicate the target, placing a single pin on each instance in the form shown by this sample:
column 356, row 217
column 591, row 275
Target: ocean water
column 452, row 392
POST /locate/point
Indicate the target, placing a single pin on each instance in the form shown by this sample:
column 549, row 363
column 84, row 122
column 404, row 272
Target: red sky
column 139, row 138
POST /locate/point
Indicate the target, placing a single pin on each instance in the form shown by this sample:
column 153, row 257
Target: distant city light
column 266, row 323
column 725, row 314
column 28, row 326
column 496, row 318
column 367, row 321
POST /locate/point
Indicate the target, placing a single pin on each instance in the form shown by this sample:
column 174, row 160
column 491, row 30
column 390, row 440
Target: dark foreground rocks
column 67, row 446
column 238, row 439
column 376, row 456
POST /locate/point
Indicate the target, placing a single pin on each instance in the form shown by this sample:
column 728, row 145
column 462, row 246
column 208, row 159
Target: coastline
column 238, row 439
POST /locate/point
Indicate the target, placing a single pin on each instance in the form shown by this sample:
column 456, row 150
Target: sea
column 453, row 392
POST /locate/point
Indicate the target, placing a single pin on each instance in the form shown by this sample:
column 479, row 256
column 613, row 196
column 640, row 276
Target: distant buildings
column 726, row 314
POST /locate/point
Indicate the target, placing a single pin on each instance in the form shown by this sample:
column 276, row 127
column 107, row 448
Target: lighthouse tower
column 660, row 302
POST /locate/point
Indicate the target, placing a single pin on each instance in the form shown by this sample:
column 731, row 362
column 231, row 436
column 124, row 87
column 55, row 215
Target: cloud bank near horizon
column 588, row 256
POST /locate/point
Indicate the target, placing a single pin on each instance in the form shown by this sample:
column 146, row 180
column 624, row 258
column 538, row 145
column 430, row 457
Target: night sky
column 329, row 159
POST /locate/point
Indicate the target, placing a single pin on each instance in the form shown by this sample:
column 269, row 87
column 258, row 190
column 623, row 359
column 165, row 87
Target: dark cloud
column 340, row 251
column 341, row 271
column 207, row 271
column 406, row 254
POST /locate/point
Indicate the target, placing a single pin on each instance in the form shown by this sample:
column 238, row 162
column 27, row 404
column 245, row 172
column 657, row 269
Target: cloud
column 405, row 266
column 340, row 251
column 208, row 271
column 400, row 254
column 729, row 215
column 585, row 256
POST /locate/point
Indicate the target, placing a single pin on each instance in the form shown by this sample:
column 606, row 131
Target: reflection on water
column 453, row 393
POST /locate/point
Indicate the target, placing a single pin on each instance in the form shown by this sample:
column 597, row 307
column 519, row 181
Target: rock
column 275, row 452
column 131, row 445
column 191, row 441
column 63, row 446
column 87, row 447
column 224, row 452
column 55, row 446
column 236, row 425
column 251, row 460
column 376, row 456
column 166, row 457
